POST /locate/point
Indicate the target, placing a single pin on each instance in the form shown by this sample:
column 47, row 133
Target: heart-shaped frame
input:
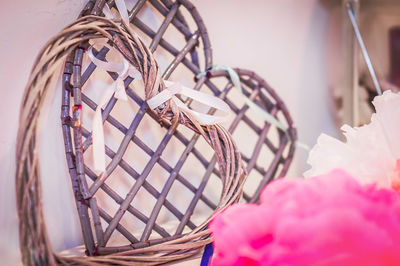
column 35, row 245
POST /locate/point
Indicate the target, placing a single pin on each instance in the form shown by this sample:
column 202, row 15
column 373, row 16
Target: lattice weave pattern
column 265, row 96
column 132, row 48
column 86, row 184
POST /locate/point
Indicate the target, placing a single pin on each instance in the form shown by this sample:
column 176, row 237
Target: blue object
column 208, row 252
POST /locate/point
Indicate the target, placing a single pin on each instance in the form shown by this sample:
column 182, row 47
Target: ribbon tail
column 99, row 158
column 206, row 99
column 202, row 118
column 302, row 145
column 265, row 115
column 107, row 12
column 120, row 92
column 123, row 11
column 234, row 77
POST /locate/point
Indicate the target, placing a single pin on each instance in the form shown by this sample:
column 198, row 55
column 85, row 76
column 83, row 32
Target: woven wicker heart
column 227, row 155
column 157, row 242
column 276, row 156
column 260, row 151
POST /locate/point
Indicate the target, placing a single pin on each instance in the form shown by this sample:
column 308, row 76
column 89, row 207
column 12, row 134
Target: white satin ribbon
column 117, row 89
column 174, row 88
column 122, row 11
column 107, row 12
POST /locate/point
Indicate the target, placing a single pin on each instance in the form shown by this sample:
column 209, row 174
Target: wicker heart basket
column 188, row 238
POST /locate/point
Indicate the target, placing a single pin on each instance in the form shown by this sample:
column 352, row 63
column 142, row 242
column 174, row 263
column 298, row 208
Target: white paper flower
column 371, row 153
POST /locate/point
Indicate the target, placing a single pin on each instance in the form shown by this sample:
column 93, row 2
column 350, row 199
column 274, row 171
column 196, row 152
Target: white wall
column 286, row 43
column 283, row 41
column 25, row 27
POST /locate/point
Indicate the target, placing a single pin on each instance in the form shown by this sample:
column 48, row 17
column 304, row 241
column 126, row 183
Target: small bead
column 67, row 120
column 76, row 107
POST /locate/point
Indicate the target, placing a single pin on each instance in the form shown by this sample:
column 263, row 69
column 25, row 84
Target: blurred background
column 303, row 49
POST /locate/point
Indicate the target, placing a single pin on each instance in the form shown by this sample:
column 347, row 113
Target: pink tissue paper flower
column 371, row 153
column 325, row 220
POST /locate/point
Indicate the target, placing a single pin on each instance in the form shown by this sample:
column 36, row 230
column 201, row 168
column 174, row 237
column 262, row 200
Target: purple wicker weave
column 193, row 60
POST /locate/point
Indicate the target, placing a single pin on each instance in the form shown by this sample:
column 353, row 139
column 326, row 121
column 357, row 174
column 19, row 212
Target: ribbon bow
column 174, row 88
column 117, row 89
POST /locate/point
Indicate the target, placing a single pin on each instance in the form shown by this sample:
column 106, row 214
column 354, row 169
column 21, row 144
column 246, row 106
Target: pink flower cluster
column 324, row 220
